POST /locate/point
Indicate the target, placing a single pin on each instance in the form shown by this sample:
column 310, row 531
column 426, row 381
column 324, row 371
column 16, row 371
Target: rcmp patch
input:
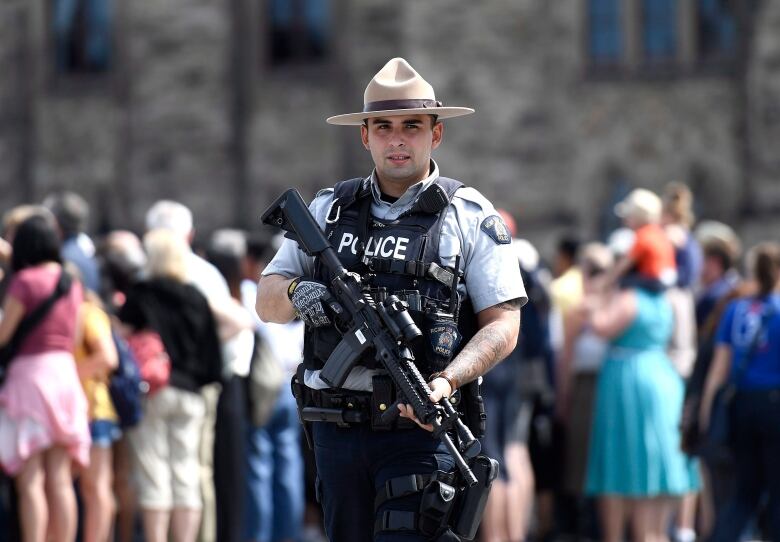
column 496, row 229
column 444, row 339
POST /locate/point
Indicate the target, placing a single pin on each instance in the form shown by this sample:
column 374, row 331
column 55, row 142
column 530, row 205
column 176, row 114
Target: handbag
column 154, row 365
column 126, row 385
column 716, row 442
column 31, row 321
column 265, row 382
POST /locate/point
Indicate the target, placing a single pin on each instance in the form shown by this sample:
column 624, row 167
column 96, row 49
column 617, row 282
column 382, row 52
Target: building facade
column 221, row 103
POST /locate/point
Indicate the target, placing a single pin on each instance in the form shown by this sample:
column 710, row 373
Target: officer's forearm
column 495, row 340
column 272, row 304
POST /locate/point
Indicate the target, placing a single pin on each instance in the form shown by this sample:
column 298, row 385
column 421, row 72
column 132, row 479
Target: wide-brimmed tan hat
column 640, row 204
column 397, row 89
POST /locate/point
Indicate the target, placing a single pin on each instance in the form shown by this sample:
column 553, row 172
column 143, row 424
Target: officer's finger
column 440, row 388
column 408, row 412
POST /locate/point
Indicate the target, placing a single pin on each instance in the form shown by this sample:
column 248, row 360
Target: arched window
column 605, row 40
column 83, row 35
column 659, row 30
column 299, row 30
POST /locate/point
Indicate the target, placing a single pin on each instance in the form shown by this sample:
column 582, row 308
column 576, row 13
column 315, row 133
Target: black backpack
column 125, row 385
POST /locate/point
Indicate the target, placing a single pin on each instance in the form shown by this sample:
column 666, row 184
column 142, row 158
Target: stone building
column 221, row 103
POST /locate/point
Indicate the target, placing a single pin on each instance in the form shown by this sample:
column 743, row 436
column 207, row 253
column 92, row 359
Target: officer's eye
column 412, row 126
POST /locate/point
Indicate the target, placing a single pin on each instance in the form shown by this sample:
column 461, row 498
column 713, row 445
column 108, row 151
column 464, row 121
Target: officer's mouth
column 398, row 159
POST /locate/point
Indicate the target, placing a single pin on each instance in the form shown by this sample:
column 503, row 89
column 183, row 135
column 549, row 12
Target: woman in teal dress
column 635, row 465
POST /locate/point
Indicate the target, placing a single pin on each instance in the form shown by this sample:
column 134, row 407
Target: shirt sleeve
column 725, row 326
column 490, row 263
column 290, row 261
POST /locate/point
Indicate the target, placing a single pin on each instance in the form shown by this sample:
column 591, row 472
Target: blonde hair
column 678, row 203
column 166, row 254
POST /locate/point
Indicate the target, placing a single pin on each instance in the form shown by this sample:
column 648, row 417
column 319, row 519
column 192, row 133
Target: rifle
column 386, row 327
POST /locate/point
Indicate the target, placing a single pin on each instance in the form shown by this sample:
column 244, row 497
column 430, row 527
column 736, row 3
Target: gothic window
column 659, row 30
column 82, row 35
column 716, row 30
column 604, row 39
column 299, row 30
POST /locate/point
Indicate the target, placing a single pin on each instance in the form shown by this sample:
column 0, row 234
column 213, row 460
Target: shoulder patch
column 496, row 229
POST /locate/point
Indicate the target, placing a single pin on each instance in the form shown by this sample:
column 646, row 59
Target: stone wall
column 194, row 111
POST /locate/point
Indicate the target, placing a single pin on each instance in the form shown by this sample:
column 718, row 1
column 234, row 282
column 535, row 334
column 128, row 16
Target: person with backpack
column 747, row 358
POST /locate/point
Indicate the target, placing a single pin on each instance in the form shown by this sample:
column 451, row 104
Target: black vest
column 396, row 257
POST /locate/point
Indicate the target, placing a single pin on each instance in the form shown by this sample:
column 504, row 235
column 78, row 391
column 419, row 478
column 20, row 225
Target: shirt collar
column 411, row 193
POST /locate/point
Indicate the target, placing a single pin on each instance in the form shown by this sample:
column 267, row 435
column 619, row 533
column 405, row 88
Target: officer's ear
column 364, row 134
column 438, row 134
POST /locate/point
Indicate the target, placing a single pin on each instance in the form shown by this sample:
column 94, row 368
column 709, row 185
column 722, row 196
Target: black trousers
column 230, row 460
column 756, row 442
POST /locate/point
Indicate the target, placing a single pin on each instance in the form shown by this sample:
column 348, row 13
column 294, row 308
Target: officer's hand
column 307, row 297
column 440, row 388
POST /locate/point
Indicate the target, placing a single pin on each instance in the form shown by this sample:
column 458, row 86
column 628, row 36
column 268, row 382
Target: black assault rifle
column 385, row 327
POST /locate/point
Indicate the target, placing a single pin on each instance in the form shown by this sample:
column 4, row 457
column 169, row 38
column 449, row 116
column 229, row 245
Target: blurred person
column 276, row 470
column 635, row 465
column 11, row 220
column 566, row 288
column 177, row 218
column 650, row 263
column 72, row 214
column 122, row 260
column 746, row 355
column 96, row 356
column 578, row 367
column 226, row 251
column 721, row 248
column 719, row 284
column 510, row 391
column 677, row 219
column 165, row 443
column 44, row 424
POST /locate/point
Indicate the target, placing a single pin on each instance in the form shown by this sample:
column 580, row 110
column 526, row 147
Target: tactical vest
column 396, row 257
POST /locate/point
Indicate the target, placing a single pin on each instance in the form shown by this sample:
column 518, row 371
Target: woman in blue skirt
column 635, row 465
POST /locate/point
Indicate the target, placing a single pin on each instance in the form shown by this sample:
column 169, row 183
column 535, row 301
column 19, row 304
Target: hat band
column 388, row 105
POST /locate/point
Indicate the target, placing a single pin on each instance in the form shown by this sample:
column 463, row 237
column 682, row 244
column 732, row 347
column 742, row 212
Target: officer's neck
column 395, row 188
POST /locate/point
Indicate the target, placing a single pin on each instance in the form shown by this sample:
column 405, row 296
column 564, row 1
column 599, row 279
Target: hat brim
column 356, row 119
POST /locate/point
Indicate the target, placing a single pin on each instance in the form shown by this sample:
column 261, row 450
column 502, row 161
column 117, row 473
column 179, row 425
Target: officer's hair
column 170, row 215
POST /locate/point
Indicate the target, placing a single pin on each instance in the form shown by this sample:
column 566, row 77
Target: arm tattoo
column 485, row 349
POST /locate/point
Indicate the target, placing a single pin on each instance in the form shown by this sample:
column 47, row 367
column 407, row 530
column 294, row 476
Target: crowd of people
column 600, row 418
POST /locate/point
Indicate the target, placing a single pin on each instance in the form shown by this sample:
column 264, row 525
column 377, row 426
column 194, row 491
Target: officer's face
column 401, row 147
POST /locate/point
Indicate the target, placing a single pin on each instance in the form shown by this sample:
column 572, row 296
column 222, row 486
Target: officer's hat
column 397, row 89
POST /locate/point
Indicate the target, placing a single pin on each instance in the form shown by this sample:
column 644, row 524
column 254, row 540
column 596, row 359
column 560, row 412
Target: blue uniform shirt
column 737, row 329
column 491, row 271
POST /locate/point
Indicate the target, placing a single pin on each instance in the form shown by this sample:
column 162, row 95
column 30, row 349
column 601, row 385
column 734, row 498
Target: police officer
column 443, row 249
